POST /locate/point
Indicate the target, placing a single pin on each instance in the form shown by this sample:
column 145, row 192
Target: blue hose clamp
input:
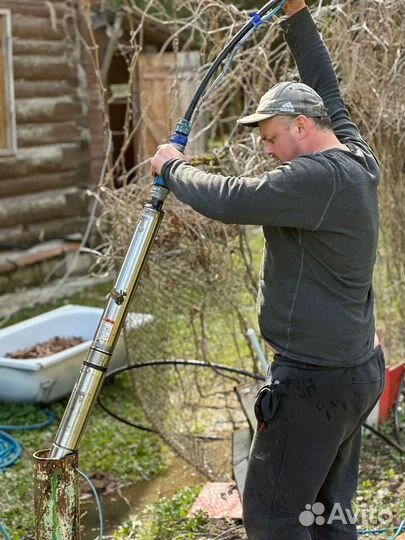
column 179, row 138
column 159, row 181
column 256, row 19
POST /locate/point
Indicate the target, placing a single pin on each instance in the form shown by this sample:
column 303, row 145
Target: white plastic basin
column 47, row 379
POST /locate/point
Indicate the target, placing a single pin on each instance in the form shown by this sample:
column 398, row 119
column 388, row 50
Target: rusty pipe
column 56, row 497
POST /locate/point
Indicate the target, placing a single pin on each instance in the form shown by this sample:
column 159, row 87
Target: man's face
column 279, row 138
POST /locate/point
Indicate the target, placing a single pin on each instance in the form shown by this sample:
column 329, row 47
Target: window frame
column 6, row 53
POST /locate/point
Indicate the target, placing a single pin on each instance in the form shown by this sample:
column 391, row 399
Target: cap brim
column 253, row 119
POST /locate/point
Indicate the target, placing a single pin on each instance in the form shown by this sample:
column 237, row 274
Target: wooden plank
column 27, row 89
column 42, row 206
column 42, row 182
column 241, row 442
column 37, row 8
column 40, row 47
column 47, row 68
column 30, row 27
column 40, row 134
column 43, row 159
column 44, row 230
column 246, row 395
column 54, row 109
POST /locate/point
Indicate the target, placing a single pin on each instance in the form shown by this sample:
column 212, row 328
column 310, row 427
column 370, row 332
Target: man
column 319, row 212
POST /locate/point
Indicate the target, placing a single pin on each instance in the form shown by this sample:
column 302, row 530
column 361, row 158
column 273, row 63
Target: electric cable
column 231, row 56
column 124, row 420
column 193, row 363
column 98, row 504
column 385, row 438
column 256, row 20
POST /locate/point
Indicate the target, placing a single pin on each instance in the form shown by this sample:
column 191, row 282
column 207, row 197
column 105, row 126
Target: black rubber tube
column 152, row 363
column 224, row 53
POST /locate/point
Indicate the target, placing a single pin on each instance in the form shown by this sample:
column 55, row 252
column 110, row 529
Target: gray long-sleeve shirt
column 319, row 214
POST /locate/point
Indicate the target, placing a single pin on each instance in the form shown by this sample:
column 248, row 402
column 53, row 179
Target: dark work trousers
column 309, row 452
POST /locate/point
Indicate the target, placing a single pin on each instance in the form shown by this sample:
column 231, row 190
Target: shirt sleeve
column 296, row 194
column 316, row 70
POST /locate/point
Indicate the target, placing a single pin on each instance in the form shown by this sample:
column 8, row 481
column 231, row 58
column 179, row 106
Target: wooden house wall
column 42, row 185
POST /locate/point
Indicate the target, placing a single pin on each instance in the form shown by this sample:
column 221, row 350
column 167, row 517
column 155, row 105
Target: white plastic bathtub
column 47, row 379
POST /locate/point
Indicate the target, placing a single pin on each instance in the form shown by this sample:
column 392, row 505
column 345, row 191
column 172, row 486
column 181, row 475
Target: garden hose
column 10, row 449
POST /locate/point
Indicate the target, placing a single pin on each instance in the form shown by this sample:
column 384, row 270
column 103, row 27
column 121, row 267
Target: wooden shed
column 44, row 146
column 52, row 144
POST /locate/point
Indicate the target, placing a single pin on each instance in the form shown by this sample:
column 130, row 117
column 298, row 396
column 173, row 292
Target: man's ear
column 302, row 126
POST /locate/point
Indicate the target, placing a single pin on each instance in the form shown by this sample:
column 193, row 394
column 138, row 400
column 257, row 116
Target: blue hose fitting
column 159, row 181
column 256, row 19
column 179, row 139
column 183, row 126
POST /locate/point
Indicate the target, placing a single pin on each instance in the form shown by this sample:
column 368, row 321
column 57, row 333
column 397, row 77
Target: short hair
column 322, row 122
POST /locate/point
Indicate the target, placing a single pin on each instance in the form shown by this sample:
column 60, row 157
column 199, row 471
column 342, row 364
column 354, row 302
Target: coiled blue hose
column 10, row 450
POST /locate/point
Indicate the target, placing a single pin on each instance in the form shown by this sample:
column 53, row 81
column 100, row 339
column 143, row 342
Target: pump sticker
column 106, row 328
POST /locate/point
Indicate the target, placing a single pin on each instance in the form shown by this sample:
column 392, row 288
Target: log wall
column 42, row 186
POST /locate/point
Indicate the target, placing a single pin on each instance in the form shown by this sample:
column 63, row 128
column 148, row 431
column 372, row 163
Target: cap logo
column 287, row 107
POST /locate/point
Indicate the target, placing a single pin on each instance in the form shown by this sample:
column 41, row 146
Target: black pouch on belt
column 267, row 404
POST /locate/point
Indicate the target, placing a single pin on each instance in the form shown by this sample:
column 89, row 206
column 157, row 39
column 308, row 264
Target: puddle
column 119, row 505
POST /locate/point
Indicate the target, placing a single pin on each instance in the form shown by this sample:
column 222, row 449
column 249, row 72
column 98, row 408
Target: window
column 7, row 109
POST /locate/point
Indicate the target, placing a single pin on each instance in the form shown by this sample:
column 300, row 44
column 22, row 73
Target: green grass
column 107, row 446
column 166, row 520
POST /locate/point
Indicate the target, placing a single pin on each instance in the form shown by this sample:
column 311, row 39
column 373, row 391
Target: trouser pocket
column 267, row 404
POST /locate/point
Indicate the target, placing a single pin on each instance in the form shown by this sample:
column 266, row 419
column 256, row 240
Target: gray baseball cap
column 287, row 99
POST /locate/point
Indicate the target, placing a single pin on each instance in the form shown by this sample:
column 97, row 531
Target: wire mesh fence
column 195, row 286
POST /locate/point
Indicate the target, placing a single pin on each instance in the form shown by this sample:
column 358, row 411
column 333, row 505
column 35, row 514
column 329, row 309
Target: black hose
column 228, row 48
column 194, row 363
column 385, row 438
column 124, row 420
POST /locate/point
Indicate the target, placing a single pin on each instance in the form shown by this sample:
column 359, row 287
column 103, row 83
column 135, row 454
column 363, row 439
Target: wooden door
column 166, row 83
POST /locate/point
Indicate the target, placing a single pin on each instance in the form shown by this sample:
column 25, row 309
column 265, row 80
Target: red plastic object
column 393, row 377
column 219, row 500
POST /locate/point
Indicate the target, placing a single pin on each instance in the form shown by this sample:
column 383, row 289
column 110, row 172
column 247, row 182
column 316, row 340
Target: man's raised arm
column 315, row 65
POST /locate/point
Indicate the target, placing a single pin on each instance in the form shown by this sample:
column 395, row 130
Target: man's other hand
column 293, row 6
column 163, row 154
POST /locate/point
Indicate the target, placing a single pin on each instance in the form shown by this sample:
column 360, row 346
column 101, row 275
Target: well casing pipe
column 56, row 497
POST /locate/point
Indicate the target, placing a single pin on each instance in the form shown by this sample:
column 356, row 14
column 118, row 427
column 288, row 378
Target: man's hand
column 293, row 6
column 163, row 154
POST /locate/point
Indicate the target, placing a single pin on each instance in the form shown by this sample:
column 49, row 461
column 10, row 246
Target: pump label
column 106, row 328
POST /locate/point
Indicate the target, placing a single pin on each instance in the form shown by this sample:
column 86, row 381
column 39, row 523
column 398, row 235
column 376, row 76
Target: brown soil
column 46, row 348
